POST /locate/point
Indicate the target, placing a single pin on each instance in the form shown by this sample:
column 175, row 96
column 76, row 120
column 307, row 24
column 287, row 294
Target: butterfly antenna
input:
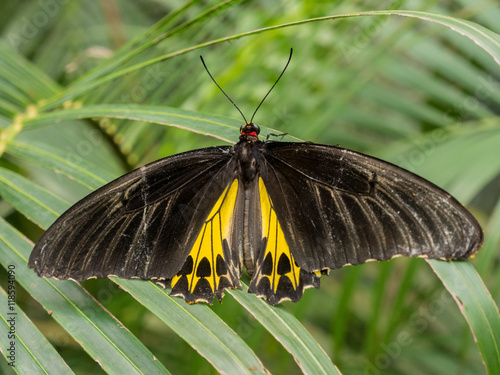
column 286, row 66
column 220, row 88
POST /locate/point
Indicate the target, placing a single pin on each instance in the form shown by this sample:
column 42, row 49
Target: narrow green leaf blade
column 224, row 128
column 476, row 304
column 28, row 349
column 28, row 83
column 199, row 326
column 483, row 37
column 36, row 203
column 60, row 162
column 289, row 332
column 97, row 331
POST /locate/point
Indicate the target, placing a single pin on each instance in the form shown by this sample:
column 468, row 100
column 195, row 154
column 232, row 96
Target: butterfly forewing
column 140, row 225
column 340, row 207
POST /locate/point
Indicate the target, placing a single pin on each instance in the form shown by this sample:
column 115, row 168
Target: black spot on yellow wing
column 220, row 266
column 206, row 271
column 284, row 266
column 277, row 277
column 204, row 268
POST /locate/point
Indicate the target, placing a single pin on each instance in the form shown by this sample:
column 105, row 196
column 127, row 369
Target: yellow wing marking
column 277, row 251
column 207, row 256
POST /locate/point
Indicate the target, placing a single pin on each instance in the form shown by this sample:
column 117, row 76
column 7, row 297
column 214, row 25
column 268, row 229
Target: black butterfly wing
column 145, row 224
column 339, row 207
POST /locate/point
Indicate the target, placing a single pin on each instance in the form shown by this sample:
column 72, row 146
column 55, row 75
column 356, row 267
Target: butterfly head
column 249, row 132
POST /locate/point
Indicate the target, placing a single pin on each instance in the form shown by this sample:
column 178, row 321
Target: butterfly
column 283, row 212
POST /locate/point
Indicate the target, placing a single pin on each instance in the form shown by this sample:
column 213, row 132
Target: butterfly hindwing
column 141, row 225
column 210, row 266
column 340, row 207
column 277, row 276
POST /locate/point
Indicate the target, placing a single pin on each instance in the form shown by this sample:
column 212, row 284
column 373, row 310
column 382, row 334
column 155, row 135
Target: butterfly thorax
column 248, row 156
column 247, row 152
